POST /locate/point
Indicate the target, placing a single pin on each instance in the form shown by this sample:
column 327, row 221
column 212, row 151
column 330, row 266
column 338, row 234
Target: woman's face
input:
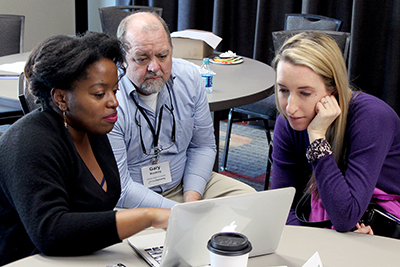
column 299, row 90
column 91, row 104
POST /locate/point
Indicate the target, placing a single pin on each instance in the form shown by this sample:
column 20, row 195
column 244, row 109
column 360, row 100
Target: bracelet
column 318, row 149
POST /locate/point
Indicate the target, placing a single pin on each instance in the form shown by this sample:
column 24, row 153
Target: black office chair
column 265, row 110
column 26, row 99
column 111, row 16
column 310, row 22
column 11, row 34
column 341, row 38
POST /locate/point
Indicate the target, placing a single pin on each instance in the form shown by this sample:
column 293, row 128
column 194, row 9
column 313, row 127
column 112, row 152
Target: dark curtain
column 246, row 26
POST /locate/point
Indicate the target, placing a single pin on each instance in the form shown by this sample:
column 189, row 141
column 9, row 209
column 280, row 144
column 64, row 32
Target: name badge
column 156, row 174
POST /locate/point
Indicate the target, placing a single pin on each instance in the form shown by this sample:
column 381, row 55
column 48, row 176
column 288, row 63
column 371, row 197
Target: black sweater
column 49, row 200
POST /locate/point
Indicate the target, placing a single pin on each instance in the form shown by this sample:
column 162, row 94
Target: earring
column 64, row 115
column 65, row 120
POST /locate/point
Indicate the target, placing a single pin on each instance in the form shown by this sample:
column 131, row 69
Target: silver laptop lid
column 260, row 216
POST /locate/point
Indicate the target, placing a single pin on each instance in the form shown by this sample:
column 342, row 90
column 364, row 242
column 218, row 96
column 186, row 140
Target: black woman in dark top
column 59, row 181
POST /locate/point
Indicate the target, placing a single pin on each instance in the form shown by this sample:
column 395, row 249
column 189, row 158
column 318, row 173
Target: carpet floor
column 247, row 157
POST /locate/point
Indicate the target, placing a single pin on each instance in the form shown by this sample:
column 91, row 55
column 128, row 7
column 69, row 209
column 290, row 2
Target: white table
column 241, row 84
column 297, row 245
column 336, row 249
column 9, row 79
column 10, row 109
column 237, row 85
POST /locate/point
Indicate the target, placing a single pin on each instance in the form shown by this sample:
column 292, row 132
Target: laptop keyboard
column 155, row 253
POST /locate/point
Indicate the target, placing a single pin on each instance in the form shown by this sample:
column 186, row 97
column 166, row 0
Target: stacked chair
column 26, row 99
column 111, row 16
column 11, row 34
column 311, row 22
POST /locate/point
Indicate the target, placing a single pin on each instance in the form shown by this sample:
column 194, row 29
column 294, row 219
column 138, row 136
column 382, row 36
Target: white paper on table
column 208, row 37
column 314, row 261
column 16, row 67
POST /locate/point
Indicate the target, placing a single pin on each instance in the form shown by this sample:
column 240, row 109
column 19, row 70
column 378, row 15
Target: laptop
column 260, row 216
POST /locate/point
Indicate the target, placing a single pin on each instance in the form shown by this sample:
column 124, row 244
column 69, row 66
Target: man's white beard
column 152, row 86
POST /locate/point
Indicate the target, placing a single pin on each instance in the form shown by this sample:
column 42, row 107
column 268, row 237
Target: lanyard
column 155, row 132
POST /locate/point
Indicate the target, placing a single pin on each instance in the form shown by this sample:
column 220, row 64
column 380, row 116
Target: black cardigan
column 49, row 200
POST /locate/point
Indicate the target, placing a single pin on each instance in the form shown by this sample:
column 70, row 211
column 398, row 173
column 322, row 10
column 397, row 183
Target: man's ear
column 59, row 98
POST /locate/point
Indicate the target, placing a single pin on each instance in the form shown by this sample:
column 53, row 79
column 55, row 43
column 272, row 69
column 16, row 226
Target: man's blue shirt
column 192, row 156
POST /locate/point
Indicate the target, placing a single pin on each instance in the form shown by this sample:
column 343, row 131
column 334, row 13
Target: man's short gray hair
column 122, row 28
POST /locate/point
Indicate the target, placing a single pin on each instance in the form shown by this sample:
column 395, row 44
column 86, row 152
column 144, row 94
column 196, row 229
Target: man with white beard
column 163, row 140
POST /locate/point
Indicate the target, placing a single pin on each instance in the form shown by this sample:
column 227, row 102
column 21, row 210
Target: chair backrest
column 26, row 99
column 11, row 34
column 341, row 38
column 311, row 22
column 111, row 16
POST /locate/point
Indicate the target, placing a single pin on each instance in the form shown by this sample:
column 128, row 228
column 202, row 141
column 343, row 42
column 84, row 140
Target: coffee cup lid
column 229, row 244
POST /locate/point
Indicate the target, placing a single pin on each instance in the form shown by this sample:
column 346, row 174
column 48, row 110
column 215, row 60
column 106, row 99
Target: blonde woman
column 333, row 142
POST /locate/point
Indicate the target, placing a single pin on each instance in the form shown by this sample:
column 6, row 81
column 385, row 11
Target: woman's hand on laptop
column 161, row 219
column 132, row 221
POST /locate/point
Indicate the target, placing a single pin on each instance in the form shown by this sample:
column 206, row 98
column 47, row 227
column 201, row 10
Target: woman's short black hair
column 61, row 60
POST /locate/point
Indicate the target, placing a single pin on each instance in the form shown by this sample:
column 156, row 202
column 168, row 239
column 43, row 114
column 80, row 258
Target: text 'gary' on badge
column 156, row 174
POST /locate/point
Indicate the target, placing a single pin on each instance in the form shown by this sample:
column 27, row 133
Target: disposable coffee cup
column 229, row 250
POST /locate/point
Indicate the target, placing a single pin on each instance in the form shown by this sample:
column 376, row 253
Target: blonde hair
column 320, row 52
